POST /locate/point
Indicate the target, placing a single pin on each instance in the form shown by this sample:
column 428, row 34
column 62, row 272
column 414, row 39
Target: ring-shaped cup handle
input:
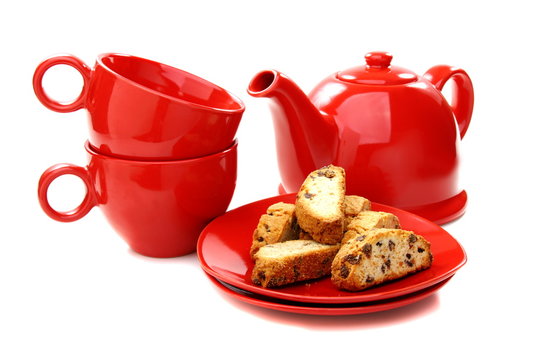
column 55, row 171
column 54, row 105
column 462, row 96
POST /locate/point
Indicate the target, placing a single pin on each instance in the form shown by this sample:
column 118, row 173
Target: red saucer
column 326, row 309
column 223, row 251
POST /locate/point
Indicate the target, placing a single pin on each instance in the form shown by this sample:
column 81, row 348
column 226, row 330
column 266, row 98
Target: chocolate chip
column 273, row 282
column 421, row 250
column 344, row 271
column 262, row 275
column 326, row 260
column 391, row 245
column 383, row 268
column 397, row 226
column 370, row 279
column 366, row 249
column 260, row 239
column 412, row 238
column 410, row 264
column 327, row 173
column 296, row 272
column 352, row 259
column 309, row 196
column 408, row 256
column 387, row 263
column 379, row 244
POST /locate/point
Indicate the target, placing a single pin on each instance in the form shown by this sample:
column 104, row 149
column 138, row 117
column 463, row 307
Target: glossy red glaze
column 223, row 251
column 142, row 109
column 392, row 131
column 158, row 207
column 325, row 309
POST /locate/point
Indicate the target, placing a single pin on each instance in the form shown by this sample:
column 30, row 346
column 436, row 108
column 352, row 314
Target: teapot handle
column 462, row 96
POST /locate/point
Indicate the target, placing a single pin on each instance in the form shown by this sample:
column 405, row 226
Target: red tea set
column 163, row 154
column 162, row 150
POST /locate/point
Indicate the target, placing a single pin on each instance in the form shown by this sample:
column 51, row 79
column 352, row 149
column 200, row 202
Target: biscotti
column 368, row 220
column 377, row 256
column 354, row 205
column 302, row 235
column 277, row 225
column 320, row 204
column 292, row 261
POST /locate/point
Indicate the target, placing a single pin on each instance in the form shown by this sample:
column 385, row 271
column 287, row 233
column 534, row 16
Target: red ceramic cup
column 145, row 110
column 158, row 207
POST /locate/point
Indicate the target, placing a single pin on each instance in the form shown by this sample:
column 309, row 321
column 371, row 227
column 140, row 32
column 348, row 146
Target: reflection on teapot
column 392, row 130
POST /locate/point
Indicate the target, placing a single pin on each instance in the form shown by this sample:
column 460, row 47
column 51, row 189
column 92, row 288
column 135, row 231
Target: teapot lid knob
column 378, row 59
column 377, row 71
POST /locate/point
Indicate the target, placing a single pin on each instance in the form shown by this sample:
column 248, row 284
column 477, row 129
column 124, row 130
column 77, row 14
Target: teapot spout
column 306, row 139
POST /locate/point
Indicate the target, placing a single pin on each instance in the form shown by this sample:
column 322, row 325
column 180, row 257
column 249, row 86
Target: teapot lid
column 377, row 71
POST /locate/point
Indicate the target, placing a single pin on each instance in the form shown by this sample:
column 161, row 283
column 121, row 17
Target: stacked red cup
column 161, row 148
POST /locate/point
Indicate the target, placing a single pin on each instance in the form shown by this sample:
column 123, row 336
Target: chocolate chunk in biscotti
column 292, row 261
column 320, row 204
column 377, row 256
column 277, row 225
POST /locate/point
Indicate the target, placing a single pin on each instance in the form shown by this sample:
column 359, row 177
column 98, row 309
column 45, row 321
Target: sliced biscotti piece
column 368, row 220
column 377, row 256
column 320, row 204
column 291, row 261
column 354, row 205
column 277, row 225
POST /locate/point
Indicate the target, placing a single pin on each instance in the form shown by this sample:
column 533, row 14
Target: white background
column 75, row 291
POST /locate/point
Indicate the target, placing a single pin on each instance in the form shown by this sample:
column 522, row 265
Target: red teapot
column 393, row 132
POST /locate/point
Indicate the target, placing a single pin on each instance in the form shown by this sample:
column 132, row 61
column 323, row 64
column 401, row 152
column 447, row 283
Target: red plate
column 223, row 251
column 326, row 309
